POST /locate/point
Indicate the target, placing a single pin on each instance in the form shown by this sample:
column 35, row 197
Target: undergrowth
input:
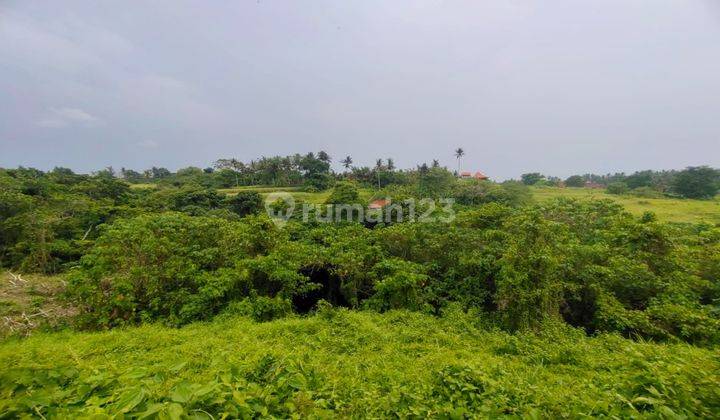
column 352, row 364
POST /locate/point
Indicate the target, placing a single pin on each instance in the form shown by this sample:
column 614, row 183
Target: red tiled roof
column 378, row 204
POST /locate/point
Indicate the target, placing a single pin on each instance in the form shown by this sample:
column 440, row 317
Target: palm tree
column 390, row 164
column 378, row 168
column 323, row 156
column 459, row 153
column 347, row 162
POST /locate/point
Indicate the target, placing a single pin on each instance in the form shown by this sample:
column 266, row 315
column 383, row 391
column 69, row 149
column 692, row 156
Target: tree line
column 699, row 182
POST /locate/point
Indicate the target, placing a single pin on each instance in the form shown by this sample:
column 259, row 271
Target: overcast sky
column 556, row 86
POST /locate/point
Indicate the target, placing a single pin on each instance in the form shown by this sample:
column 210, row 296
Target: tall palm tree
column 378, row 168
column 323, row 156
column 459, row 153
column 347, row 162
column 390, row 164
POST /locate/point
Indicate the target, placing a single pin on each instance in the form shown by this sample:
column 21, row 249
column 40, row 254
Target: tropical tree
column 697, row 182
column 459, row 153
column 532, row 178
column 323, row 156
column 347, row 162
column 575, row 181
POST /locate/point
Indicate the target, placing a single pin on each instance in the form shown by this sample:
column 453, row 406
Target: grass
column 352, row 364
column 666, row 209
column 297, row 193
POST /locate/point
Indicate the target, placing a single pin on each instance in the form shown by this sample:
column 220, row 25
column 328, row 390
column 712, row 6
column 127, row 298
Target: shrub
column 344, row 193
column 260, row 308
column 245, row 203
column 508, row 193
column 399, row 286
column 575, row 181
column 168, row 267
column 617, row 188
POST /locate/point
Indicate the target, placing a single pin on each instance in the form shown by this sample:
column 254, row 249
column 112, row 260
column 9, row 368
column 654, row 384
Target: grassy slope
column 353, row 364
column 667, row 209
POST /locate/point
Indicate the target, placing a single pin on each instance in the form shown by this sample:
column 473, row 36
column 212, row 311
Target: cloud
column 66, row 117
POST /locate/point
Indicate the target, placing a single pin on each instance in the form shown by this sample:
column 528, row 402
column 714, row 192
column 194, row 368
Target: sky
column 554, row 86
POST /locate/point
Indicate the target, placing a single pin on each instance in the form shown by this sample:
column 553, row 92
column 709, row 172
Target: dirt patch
column 30, row 303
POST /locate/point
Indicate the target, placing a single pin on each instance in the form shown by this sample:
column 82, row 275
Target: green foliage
column 399, row 285
column 481, row 192
column 171, row 267
column 617, row 188
column 575, row 181
column 260, row 308
column 435, row 183
column 344, row 193
column 245, row 203
column 532, row 178
column 355, row 365
column 697, row 182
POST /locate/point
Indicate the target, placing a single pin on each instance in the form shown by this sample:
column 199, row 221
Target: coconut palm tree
column 459, row 153
column 347, row 162
column 323, row 156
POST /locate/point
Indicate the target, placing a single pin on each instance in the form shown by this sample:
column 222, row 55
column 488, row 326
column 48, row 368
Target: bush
column 169, row 267
column 344, row 193
column 508, row 193
column 260, row 308
column 532, row 178
column 575, row 181
column 245, row 203
column 617, row 188
column 399, row 286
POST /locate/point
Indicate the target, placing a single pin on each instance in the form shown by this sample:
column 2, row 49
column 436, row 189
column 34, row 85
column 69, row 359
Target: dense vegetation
column 353, row 364
column 543, row 276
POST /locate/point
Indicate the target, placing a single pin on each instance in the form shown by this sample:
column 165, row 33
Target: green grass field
column 667, row 209
column 352, row 364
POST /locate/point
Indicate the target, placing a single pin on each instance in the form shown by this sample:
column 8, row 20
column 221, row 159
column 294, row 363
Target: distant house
column 378, row 204
column 593, row 185
column 469, row 175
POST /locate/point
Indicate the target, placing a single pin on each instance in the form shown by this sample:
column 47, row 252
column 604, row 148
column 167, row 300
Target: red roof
column 480, row 175
column 378, row 204
column 465, row 173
